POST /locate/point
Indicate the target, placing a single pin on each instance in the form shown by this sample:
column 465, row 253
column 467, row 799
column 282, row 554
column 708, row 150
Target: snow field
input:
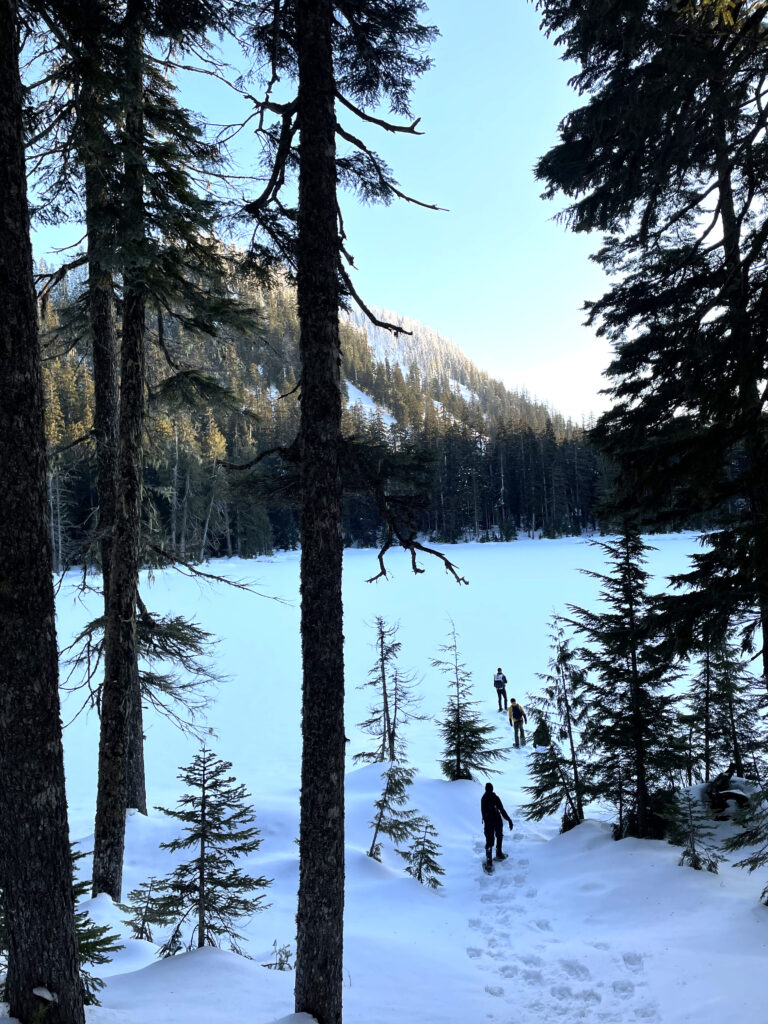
column 569, row 928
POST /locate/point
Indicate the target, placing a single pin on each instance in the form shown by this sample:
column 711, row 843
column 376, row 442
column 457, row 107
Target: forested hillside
column 491, row 462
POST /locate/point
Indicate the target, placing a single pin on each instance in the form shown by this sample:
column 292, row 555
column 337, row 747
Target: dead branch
column 289, row 454
column 374, row 162
column 52, row 279
column 395, row 328
column 72, row 444
column 408, row 129
column 188, row 569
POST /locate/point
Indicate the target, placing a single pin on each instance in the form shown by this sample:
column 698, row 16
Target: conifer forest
column 197, row 384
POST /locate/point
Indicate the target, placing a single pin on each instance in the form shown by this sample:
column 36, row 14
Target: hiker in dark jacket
column 500, row 682
column 492, row 810
column 517, row 716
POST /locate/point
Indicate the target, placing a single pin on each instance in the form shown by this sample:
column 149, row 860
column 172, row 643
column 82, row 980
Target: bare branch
column 52, row 279
column 395, row 328
column 386, row 184
column 72, row 444
column 386, row 125
column 289, row 454
column 188, row 569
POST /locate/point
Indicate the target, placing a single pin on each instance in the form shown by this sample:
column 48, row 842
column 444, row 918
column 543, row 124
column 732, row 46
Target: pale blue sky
column 495, row 273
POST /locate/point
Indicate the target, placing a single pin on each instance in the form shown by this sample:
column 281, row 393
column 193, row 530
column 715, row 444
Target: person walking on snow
column 500, row 682
column 492, row 810
column 517, row 716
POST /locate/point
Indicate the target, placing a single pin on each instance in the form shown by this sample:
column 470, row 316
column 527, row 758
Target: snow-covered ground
column 569, row 928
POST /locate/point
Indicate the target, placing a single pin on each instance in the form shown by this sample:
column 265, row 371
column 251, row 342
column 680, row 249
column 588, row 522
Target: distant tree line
column 496, row 462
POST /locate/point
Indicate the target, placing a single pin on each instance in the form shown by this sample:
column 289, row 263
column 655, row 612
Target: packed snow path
column 537, row 968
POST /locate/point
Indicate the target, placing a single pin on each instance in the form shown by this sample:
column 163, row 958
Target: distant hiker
column 492, row 810
column 517, row 716
column 500, row 682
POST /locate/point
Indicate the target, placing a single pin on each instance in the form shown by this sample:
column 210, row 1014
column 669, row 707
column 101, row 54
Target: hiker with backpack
column 492, row 810
column 517, row 716
column 500, row 682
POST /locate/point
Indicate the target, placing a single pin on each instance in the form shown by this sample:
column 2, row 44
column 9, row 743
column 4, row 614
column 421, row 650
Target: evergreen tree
column 723, row 718
column 690, row 828
column 670, row 132
column 753, row 836
column 395, row 698
column 561, row 709
column 149, row 908
column 35, row 860
column 628, row 727
column 209, row 894
column 391, row 819
column 467, row 739
column 552, row 787
column 95, row 942
column 421, row 857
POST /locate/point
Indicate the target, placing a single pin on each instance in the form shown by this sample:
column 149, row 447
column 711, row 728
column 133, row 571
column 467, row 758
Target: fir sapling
column 421, row 856
column 95, row 942
column 690, row 828
column 149, row 907
column 396, row 701
column 391, row 818
column 208, row 895
column 754, row 835
column 467, row 748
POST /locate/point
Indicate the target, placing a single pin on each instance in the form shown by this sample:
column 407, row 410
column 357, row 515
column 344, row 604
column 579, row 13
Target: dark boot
column 501, row 856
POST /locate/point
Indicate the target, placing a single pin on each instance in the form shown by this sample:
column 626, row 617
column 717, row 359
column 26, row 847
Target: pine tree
column 209, row 894
column 149, row 908
column 391, row 819
column 628, row 729
column 723, row 718
column 754, row 835
column 669, row 132
column 395, row 698
column 421, row 857
column 561, row 710
column 690, row 828
column 467, row 739
column 95, row 942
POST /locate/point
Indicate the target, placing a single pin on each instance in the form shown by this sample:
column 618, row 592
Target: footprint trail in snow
column 542, row 964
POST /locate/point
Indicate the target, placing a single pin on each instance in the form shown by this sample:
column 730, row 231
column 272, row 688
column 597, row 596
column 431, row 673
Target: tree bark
column 100, row 313
column 35, row 861
column 319, row 944
column 119, row 745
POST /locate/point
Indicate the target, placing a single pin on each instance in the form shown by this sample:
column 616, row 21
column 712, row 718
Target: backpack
column 499, row 681
column 517, row 712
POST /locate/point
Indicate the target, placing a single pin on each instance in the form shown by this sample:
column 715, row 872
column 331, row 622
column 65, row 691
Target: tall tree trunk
column 175, row 490
column 572, row 746
column 320, row 917
column 183, row 532
column 204, row 541
column 35, row 861
column 105, row 385
column 707, row 712
column 737, row 758
column 749, row 352
column 117, row 747
column 201, row 880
